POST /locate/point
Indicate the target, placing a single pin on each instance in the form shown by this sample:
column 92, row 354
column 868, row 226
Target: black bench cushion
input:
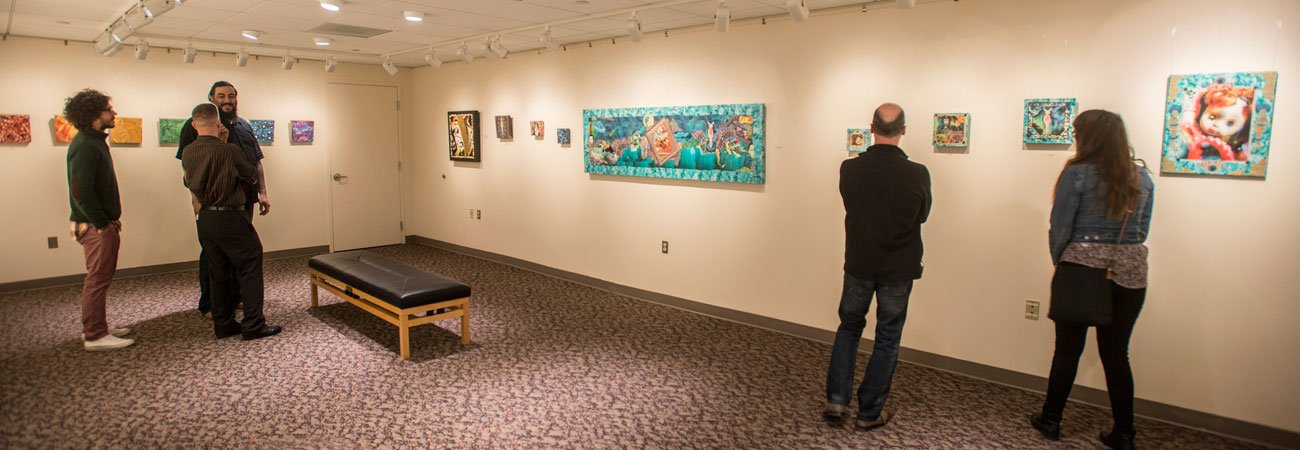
column 400, row 284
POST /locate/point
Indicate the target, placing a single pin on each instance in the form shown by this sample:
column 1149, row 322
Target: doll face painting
column 1227, row 120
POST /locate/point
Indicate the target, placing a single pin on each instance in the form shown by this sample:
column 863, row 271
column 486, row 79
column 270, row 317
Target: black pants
column 205, row 291
column 1112, row 346
column 233, row 251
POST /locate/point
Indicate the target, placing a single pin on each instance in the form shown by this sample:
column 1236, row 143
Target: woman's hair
column 1101, row 140
column 84, row 107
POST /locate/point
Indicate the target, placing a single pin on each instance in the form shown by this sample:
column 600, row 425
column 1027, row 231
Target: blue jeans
column 891, row 312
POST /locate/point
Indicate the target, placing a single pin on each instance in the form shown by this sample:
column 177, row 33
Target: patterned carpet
column 553, row 365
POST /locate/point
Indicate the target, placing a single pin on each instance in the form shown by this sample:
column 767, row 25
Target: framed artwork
column 462, row 136
column 15, row 128
column 537, row 128
column 505, row 127
column 63, row 130
column 562, row 136
column 859, row 139
column 126, row 130
column 1049, row 120
column 951, row 129
column 302, row 131
column 708, row 142
column 264, row 130
column 169, row 130
column 1219, row 124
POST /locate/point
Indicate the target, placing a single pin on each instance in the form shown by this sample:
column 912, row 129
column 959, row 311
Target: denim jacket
column 1078, row 215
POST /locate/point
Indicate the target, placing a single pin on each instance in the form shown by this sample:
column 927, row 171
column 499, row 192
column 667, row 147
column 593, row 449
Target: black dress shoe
column 1117, row 441
column 266, row 331
column 1050, row 429
column 228, row 332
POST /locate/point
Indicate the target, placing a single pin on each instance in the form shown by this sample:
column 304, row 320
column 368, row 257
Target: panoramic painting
column 15, row 128
column 1049, row 120
column 169, row 130
column 1219, row 124
column 710, row 142
column 264, row 130
column 462, row 135
column 859, row 139
column 951, row 129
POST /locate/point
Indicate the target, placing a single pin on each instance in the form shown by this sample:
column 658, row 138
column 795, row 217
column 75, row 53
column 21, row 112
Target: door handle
column 339, row 177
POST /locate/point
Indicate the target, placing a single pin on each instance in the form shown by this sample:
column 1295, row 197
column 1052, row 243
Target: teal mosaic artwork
column 1219, row 124
column 708, row 142
column 1050, row 120
column 264, row 130
column 859, row 139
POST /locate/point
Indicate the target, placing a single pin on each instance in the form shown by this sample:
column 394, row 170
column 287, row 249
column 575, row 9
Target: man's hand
column 116, row 223
column 78, row 228
column 264, row 202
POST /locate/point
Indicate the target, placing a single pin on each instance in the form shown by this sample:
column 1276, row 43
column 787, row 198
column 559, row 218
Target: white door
column 365, row 191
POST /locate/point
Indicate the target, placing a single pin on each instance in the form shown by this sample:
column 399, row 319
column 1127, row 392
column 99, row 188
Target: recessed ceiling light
column 323, row 41
column 413, row 16
column 252, row 34
column 330, row 5
column 581, row 2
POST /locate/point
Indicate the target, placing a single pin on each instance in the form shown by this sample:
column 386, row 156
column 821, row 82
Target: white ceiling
column 215, row 25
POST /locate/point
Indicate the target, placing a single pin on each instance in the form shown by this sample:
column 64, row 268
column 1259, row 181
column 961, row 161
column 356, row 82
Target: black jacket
column 886, row 199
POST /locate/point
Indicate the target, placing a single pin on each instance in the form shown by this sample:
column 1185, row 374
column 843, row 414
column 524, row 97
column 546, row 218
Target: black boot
column 1050, row 429
column 1118, row 440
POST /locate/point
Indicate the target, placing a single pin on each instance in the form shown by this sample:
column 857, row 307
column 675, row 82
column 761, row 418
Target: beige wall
column 158, row 227
column 1217, row 332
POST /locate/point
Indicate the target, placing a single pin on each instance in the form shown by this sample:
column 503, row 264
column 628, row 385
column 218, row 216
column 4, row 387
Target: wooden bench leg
column 314, row 300
column 405, row 326
column 464, row 324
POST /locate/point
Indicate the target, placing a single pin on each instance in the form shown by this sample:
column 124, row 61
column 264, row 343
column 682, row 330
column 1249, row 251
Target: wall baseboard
column 132, row 272
column 1236, row 429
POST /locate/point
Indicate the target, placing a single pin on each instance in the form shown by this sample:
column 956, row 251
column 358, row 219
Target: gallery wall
column 158, row 225
column 1216, row 334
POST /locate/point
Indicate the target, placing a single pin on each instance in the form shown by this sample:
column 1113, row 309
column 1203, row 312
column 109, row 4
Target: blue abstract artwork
column 264, row 130
column 1219, row 124
column 1050, row 120
column 709, row 142
column 859, row 139
column 562, row 136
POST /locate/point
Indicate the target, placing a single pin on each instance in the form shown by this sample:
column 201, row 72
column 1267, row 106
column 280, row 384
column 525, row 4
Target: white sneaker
column 118, row 332
column 109, row 342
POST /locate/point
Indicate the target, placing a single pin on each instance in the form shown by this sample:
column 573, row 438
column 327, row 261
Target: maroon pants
column 100, row 247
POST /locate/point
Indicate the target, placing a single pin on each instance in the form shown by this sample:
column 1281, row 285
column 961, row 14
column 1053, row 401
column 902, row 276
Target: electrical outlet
column 471, row 213
column 478, row 214
column 1031, row 309
column 665, row 247
column 52, row 241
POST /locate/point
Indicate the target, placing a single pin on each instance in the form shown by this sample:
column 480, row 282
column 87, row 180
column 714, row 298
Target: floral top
column 1129, row 266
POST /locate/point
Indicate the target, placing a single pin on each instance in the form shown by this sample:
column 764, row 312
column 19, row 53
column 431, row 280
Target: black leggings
column 1112, row 345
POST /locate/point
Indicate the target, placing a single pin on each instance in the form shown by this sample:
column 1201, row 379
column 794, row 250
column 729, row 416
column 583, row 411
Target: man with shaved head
column 219, row 179
column 886, row 199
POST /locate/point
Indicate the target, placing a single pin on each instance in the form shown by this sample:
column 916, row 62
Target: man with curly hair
column 96, row 210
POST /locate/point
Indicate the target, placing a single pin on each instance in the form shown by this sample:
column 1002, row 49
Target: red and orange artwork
column 15, row 128
column 127, row 131
column 663, row 145
column 63, row 130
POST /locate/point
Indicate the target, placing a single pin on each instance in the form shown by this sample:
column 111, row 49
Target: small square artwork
column 951, row 129
column 15, row 128
column 505, row 127
column 63, row 130
column 302, row 131
column 1049, row 120
column 562, row 136
column 264, row 130
column 127, row 130
column 859, row 139
column 462, row 136
column 169, row 130
column 1219, row 124
column 537, row 128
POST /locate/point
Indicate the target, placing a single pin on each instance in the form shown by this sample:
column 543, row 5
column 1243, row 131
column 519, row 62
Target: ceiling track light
column 331, row 64
column 120, row 31
column 634, row 27
column 798, row 10
column 117, row 47
column 105, row 42
column 389, row 67
column 432, row 59
column 331, row 5
column 722, row 17
column 190, row 53
column 463, row 53
column 549, row 41
column 137, row 17
column 156, row 8
column 241, row 58
column 413, row 16
column 487, row 49
column 142, row 50
column 252, row 34
column 288, row 61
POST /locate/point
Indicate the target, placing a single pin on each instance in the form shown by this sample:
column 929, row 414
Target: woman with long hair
column 1101, row 214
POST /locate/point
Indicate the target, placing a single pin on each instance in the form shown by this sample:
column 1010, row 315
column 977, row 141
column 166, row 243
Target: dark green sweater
column 92, row 183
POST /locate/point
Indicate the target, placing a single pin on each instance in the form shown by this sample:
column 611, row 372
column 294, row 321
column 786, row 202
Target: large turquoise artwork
column 708, row 142
column 1219, row 124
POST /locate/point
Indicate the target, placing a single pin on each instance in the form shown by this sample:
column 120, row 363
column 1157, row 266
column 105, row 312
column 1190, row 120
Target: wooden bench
column 391, row 290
